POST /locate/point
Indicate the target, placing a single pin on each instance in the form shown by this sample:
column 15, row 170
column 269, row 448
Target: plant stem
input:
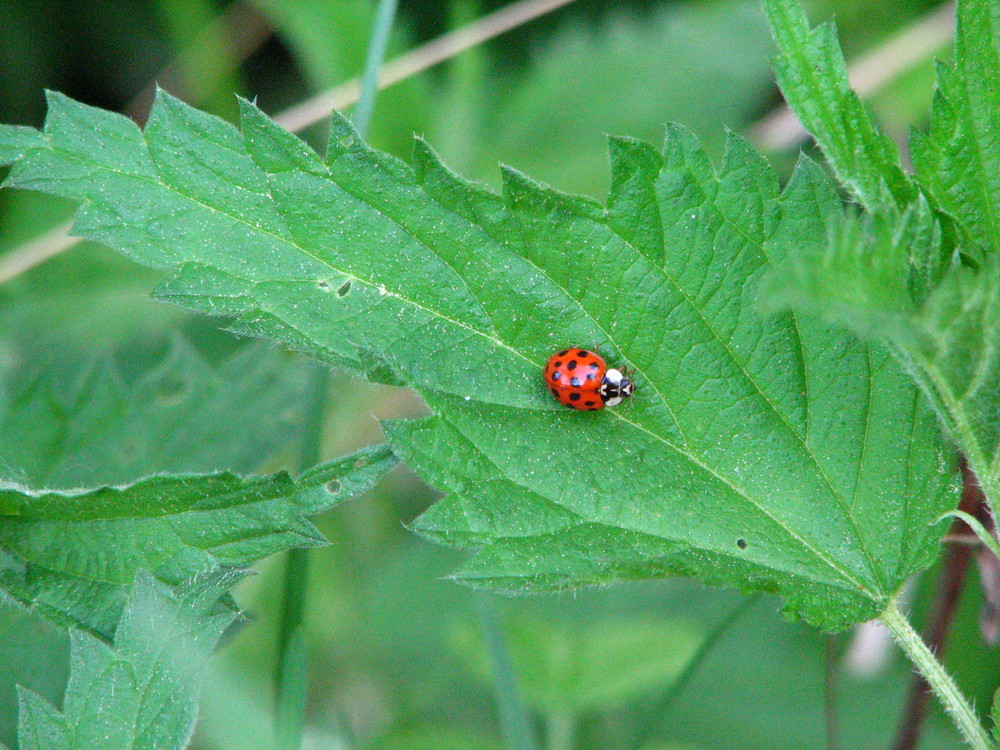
column 954, row 702
column 830, row 675
column 657, row 717
column 376, row 52
column 293, row 667
column 293, row 672
column 292, row 680
column 561, row 730
column 938, row 622
column 515, row 723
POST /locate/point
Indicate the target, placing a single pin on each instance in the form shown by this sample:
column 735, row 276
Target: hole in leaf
column 324, row 285
column 741, row 543
column 333, row 486
column 347, row 141
column 342, row 292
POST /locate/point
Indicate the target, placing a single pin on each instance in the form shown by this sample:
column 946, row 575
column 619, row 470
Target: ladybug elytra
column 579, row 378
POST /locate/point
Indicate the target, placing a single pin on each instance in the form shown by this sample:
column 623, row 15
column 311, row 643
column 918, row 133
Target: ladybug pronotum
column 580, row 379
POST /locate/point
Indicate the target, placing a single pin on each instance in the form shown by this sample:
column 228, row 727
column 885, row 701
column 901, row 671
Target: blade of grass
column 293, row 671
column 292, row 680
column 376, row 52
column 515, row 723
column 657, row 716
column 418, row 60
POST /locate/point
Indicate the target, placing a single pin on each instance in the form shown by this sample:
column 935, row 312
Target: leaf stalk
column 943, row 685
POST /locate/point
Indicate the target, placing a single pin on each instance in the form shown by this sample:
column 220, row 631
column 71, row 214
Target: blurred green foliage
column 391, row 643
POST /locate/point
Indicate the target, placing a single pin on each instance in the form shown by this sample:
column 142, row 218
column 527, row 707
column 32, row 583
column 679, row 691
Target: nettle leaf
column 142, row 691
column 957, row 160
column 96, row 426
column 72, row 556
column 767, row 453
column 812, row 75
column 894, row 276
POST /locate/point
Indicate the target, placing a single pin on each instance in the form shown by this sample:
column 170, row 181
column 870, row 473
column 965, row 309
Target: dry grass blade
column 301, row 116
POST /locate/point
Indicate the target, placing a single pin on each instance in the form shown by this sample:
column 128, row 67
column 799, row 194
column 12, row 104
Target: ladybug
column 579, row 378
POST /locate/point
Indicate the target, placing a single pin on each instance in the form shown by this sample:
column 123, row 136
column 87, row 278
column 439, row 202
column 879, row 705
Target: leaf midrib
column 759, row 246
column 855, row 585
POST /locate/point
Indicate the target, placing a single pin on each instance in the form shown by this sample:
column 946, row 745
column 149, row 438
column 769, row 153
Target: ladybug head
column 615, row 387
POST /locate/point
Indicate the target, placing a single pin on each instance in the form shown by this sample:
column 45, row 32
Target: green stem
column 293, row 667
column 561, row 734
column 941, row 683
column 293, row 672
column 657, row 717
column 376, row 52
column 292, row 681
column 515, row 723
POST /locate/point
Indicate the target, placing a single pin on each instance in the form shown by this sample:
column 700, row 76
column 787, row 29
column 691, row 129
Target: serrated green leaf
column 872, row 271
column 774, row 454
column 813, row 78
column 71, row 556
column 100, row 426
column 141, row 692
column 958, row 160
column 891, row 276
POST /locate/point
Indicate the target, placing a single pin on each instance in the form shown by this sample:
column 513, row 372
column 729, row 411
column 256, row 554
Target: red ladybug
column 580, row 378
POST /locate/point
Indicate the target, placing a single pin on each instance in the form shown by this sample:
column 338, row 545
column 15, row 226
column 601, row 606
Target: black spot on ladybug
column 594, row 366
column 554, row 392
column 575, row 382
column 555, row 375
column 574, row 397
column 572, row 365
column 588, row 403
column 583, row 353
column 591, row 376
column 564, row 352
column 558, row 363
column 741, row 543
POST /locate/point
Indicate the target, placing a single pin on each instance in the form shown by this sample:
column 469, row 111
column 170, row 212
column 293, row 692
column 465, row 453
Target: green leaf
column 995, row 714
column 143, row 690
column 813, row 77
column 869, row 273
column 563, row 667
column 99, row 425
column 891, row 277
column 772, row 454
column 71, row 556
column 958, row 160
column 17, row 140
